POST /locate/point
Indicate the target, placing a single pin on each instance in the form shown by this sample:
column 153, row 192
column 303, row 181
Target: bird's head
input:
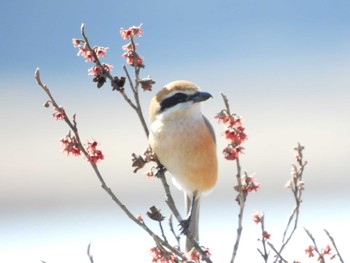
column 177, row 98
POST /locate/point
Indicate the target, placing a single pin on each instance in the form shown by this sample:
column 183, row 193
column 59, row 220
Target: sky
column 284, row 65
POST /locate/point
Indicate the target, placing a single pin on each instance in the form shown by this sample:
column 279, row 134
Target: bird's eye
column 173, row 100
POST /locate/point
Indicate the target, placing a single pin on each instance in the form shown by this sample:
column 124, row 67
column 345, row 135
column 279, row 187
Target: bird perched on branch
column 184, row 142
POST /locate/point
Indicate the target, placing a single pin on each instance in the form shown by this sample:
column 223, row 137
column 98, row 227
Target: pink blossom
column 71, row 145
column 100, row 51
column 230, row 153
column 309, row 251
column 250, row 184
column 86, row 53
column 95, row 155
column 139, row 217
column 132, row 58
column 159, row 256
column 96, row 70
column 266, row 235
column 257, row 217
column 129, row 46
column 193, row 255
column 131, row 32
column 59, row 113
column 76, row 42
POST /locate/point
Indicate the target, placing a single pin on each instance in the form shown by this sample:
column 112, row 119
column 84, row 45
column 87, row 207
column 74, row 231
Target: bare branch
column 89, row 254
column 334, row 245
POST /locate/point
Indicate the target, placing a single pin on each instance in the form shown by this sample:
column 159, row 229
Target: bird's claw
column 184, row 226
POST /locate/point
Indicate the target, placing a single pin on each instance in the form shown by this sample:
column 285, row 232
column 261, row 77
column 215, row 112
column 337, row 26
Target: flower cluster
column 97, row 70
column 248, row 184
column 130, row 54
column 296, row 184
column 86, row 52
column 257, row 217
column 95, row 155
column 71, row 145
column 234, row 133
column 58, row 113
column 100, row 70
column 194, row 256
column 325, row 251
column 162, row 256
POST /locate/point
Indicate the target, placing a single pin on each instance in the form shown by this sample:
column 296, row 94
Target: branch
column 241, row 200
column 321, row 258
column 297, row 190
column 277, row 253
column 100, row 177
column 334, row 245
column 98, row 63
column 89, row 254
column 241, row 194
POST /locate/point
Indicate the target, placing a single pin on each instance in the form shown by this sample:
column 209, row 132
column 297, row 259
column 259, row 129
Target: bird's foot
column 185, row 225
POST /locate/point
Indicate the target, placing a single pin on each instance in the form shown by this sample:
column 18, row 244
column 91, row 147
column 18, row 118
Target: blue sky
column 283, row 64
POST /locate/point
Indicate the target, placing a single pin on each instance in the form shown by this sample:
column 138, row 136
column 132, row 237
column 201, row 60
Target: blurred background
column 284, row 65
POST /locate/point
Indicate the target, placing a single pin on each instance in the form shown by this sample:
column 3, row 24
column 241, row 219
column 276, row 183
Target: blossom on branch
column 71, row 145
column 162, row 256
column 95, row 155
column 234, row 133
column 266, row 235
column 257, row 217
column 59, row 113
column 310, row 251
column 97, row 70
column 130, row 54
column 131, row 32
column 248, row 184
column 100, row 51
column 133, row 59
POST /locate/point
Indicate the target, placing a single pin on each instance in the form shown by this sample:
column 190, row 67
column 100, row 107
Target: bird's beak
column 201, row 96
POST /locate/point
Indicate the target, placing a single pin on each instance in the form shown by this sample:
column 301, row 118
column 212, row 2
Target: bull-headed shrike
column 184, row 142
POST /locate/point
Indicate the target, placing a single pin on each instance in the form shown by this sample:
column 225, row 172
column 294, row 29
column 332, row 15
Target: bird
column 184, row 142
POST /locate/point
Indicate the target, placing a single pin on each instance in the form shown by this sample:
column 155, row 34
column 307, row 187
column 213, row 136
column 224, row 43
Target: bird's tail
column 193, row 228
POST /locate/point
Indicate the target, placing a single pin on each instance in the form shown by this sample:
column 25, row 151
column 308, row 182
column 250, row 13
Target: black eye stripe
column 173, row 100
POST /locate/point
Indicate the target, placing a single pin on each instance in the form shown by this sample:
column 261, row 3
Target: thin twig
column 265, row 255
column 277, row 253
column 138, row 108
column 89, row 254
column 177, row 237
column 334, row 245
column 162, row 231
column 241, row 199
